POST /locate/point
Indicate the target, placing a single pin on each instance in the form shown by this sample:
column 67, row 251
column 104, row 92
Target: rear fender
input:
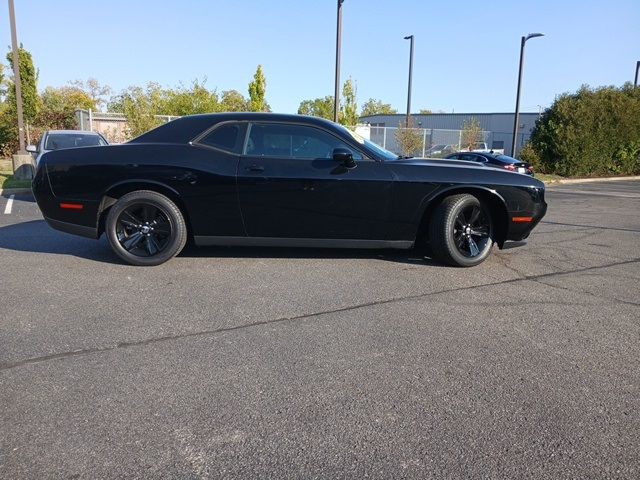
column 117, row 190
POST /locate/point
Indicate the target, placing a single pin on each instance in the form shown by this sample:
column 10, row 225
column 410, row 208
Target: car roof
column 72, row 132
column 184, row 129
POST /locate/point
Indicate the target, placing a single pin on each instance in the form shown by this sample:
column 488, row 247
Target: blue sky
column 466, row 53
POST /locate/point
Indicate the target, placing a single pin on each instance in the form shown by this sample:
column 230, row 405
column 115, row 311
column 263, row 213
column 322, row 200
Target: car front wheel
column 461, row 231
column 145, row 228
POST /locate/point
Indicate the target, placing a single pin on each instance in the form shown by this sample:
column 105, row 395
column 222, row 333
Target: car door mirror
column 345, row 157
column 32, row 149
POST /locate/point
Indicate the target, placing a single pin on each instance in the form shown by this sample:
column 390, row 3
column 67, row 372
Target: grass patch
column 7, row 181
column 548, row 177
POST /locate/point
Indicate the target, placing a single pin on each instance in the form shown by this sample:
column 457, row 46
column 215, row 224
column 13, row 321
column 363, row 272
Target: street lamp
column 410, row 38
column 16, row 78
column 515, row 120
column 336, row 97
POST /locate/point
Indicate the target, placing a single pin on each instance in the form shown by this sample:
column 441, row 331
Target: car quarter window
column 293, row 141
column 228, row 137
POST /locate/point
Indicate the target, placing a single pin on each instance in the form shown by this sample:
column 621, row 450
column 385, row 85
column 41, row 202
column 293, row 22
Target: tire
column 461, row 231
column 145, row 228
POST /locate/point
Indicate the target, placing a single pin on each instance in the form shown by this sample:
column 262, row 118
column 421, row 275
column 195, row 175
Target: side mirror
column 345, row 157
column 32, row 149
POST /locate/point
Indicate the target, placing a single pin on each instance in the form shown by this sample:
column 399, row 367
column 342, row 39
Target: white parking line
column 7, row 208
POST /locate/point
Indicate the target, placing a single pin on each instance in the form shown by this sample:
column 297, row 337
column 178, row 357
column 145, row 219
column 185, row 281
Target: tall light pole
column 336, row 96
column 16, row 78
column 410, row 38
column 516, row 119
column 635, row 81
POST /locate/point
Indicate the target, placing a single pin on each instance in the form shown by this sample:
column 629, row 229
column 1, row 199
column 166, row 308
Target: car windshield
column 385, row 154
column 57, row 141
column 438, row 147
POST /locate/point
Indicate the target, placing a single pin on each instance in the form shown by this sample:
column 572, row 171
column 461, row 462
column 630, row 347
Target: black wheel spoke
column 130, row 217
column 481, row 232
column 149, row 213
column 473, row 247
column 161, row 226
column 475, row 213
column 152, row 246
column 132, row 241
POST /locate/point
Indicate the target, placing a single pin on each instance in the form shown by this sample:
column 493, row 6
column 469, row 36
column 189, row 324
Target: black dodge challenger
column 267, row 179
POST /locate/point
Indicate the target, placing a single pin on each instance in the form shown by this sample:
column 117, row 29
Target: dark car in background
column 264, row 179
column 504, row 162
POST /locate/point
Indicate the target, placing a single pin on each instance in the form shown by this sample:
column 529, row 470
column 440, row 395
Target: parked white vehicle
column 482, row 147
column 59, row 139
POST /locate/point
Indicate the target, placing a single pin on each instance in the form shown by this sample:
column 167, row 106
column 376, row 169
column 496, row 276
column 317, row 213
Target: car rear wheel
column 146, row 228
column 461, row 231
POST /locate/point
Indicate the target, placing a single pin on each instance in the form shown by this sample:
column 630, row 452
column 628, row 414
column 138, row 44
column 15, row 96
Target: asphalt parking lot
column 241, row 363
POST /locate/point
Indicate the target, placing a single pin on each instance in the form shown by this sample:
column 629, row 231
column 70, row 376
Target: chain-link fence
column 429, row 141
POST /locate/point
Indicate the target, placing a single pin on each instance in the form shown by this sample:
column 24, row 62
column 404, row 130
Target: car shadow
column 37, row 237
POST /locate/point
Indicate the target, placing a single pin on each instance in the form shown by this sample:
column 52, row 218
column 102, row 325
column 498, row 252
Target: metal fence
column 434, row 141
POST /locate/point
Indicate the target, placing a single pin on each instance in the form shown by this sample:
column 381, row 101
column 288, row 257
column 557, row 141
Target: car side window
column 293, row 141
column 471, row 158
column 228, row 137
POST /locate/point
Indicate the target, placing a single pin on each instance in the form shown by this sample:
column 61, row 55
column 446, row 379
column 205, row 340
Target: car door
column 289, row 186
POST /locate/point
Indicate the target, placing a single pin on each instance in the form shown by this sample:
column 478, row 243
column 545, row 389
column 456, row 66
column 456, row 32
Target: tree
column 595, row 131
column 59, row 106
column 471, row 133
column 233, row 101
column 30, row 101
column 257, row 92
column 318, row 107
column 140, row 106
column 29, row 84
column 425, row 111
column 349, row 108
column 376, row 107
column 92, row 88
column 3, row 86
column 410, row 139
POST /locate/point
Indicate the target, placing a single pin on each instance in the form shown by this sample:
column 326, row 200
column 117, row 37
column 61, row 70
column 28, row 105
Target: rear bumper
column 73, row 228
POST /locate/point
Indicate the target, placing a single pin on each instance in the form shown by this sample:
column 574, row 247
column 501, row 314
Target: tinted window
column 56, row 141
column 292, row 141
column 227, row 137
column 471, row 158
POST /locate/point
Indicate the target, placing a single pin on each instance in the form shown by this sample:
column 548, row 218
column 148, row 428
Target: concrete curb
column 15, row 191
column 569, row 181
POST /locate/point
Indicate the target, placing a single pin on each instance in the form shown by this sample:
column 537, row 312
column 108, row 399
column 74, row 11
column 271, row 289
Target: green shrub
column 593, row 132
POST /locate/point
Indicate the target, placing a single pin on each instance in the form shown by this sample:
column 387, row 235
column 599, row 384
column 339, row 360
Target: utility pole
column 517, row 113
column 635, row 82
column 336, row 97
column 410, row 38
column 16, row 77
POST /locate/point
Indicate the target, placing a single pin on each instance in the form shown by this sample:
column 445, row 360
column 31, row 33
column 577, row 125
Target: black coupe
column 494, row 160
column 266, row 179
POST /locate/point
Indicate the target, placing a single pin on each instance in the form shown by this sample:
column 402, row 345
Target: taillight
column 531, row 169
column 511, row 168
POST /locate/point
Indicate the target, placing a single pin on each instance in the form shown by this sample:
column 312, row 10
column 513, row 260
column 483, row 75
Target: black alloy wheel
column 471, row 230
column 146, row 228
column 461, row 231
column 143, row 229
